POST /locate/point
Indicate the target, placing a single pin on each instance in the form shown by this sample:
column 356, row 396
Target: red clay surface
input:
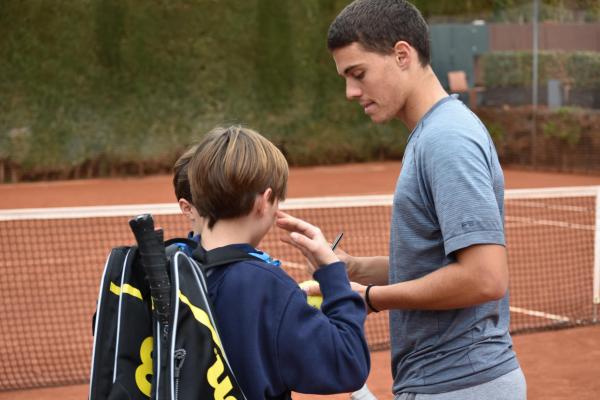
column 350, row 179
column 558, row 364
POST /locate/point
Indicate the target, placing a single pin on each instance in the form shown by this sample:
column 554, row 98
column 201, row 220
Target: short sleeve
column 457, row 167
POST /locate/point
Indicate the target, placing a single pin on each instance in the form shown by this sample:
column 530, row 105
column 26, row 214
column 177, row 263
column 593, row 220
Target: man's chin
column 380, row 119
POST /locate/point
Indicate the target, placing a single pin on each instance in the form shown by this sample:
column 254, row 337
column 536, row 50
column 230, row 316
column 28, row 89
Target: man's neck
column 230, row 231
column 426, row 92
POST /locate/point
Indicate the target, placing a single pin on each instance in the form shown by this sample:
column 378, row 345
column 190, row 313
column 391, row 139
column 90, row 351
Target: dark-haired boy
column 183, row 194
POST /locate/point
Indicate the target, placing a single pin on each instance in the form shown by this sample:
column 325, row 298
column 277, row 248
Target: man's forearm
column 479, row 275
column 369, row 270
column 453, row 286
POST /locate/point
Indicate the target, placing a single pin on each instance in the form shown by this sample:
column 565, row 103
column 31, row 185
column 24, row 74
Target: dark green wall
column 455, row 47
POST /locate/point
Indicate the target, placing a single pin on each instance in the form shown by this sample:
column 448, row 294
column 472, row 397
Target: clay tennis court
column 557, row 364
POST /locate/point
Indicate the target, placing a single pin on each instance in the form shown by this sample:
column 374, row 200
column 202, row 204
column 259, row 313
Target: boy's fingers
column 293, row 224
column 306, row 253
column 282, row 214
column 357, row 287
column 312, row 290
column 291, row 242
column 308, row 238
column 286, row 239
column 303, row 241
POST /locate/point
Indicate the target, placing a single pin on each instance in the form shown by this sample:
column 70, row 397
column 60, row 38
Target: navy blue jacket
column 277, row 343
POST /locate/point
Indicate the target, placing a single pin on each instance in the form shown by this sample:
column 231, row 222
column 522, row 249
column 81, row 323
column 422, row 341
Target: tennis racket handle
column 152, row 253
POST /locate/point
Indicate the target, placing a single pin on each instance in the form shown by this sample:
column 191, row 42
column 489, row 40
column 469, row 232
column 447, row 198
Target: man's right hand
column 349, row 260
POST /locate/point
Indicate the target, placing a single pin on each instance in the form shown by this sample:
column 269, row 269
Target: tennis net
column 52, row 259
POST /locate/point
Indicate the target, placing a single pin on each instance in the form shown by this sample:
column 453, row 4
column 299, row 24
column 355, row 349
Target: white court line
column 337, row 202
column 544, row 193
column 89, row 212
column 290, row 204
column 173, row 208
column 526, row 221
column 537, row 204
column 540, row 314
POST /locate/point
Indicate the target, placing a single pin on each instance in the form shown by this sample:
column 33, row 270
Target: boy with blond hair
column 276, row 343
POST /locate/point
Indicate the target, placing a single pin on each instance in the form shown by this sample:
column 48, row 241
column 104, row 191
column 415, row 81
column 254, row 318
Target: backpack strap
column 220, row 256
column 176, row 244
column 187, row 241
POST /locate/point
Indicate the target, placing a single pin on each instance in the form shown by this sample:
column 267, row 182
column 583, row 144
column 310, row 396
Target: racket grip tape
column 154, row 261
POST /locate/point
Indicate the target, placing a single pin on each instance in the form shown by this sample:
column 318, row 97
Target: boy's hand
column 311, row 288
column 308, row 239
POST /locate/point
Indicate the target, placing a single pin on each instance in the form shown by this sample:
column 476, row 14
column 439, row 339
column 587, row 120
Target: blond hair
column 230, row 167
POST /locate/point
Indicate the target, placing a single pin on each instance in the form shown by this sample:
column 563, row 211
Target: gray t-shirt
column 449, row 196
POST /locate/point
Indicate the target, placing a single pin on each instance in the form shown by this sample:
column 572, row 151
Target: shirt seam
column 470, row 232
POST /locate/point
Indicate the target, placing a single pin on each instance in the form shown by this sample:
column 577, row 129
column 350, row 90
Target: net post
column 597, row 258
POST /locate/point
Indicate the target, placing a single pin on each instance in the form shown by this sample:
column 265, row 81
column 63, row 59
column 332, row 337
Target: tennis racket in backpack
column 155, row 335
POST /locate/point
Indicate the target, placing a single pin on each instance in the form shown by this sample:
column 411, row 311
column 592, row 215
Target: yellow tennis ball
column 313, row 300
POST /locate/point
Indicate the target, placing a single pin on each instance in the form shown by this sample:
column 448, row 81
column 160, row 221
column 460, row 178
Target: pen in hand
column 337, row 240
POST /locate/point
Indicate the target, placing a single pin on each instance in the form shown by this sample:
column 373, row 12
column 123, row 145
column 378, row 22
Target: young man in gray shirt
column 446, row 279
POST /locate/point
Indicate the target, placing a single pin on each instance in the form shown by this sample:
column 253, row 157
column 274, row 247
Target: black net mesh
column 51, row 268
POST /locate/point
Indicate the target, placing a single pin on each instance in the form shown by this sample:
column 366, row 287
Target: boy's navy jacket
column 276, row 342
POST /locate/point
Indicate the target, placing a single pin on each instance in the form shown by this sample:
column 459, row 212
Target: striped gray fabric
column 449, row 196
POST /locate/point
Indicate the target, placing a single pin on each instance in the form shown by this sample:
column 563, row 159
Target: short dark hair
column 230, row 167
column 378, row 25
column 181, row 184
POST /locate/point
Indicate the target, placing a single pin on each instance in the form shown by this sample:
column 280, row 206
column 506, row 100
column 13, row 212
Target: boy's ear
column 185, row 206
column 263, row 200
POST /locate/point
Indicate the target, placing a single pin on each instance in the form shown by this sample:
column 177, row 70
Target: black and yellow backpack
column 155, row 335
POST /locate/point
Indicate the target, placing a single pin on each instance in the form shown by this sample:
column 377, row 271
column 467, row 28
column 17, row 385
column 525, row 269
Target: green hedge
column 107, row 86
column 514, row 69
column 567, row 139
